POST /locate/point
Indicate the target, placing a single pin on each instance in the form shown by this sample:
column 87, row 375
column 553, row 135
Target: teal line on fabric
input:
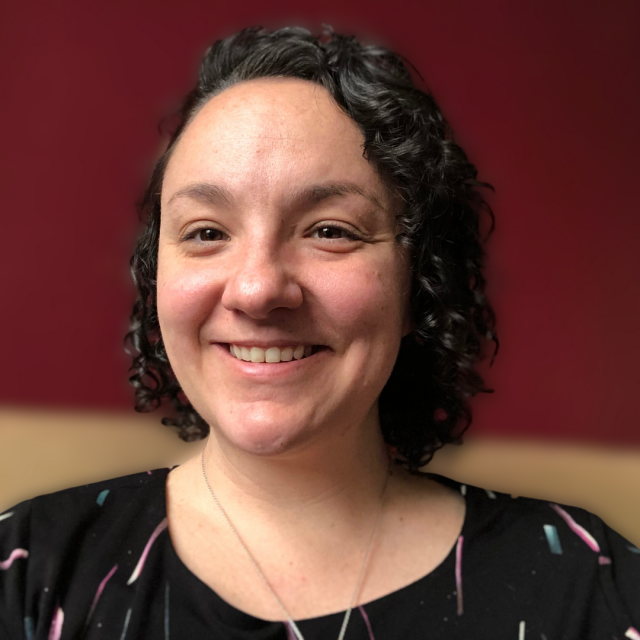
column 552, row 538
column 102, row 497
column 29, row 628
column 633, row 549
column 166, row 612
column 126, row 625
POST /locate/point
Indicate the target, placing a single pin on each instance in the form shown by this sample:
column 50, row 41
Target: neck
column 341, row 476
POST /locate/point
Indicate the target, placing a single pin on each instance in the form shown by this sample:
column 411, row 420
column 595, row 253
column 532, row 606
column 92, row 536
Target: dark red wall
column 543, row 95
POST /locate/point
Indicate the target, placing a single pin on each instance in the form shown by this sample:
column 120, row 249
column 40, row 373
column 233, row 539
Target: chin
column 263, row 433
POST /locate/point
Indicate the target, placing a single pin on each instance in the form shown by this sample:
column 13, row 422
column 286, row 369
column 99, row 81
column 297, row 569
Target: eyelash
column 194, row 234
column 350, row 235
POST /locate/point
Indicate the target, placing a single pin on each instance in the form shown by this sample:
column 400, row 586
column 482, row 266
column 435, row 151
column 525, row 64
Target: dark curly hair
column 424, row 404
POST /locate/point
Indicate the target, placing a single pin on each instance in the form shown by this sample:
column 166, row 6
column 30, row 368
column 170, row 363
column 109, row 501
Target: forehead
column 270, row 134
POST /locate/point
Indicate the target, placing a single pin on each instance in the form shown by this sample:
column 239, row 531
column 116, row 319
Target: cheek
column 362, row 300
column 185, row 297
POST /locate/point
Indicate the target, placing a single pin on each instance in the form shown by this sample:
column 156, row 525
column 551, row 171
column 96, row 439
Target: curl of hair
column 424, row 404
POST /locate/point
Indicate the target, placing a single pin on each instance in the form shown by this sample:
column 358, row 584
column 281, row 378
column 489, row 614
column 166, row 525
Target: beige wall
column 43, row 451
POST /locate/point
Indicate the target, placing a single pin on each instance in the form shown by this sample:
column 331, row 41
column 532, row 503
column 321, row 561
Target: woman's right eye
column 207, row 234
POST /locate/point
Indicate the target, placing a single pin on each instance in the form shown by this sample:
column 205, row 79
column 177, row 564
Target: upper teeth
column 272, row 354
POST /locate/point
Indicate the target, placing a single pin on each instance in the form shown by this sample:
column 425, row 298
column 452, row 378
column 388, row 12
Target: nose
column 259, row 282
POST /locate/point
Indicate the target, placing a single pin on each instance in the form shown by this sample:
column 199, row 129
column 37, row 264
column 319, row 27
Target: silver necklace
column 356, row 591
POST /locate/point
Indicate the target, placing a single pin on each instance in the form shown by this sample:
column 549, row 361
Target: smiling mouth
column 273, row 355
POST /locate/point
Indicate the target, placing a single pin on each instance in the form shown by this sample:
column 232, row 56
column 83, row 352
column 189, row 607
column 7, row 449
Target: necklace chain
column 256, row 566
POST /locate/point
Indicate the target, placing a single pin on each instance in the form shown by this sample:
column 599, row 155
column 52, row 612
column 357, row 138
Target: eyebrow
column 309, row 196
column 206, row 193
column 216, row 195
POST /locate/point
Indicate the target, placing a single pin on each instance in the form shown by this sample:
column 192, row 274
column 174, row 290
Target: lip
column 265, row 345
column 269, row 371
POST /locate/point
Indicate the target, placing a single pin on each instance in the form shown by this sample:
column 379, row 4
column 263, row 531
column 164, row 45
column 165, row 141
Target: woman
column 311, row 298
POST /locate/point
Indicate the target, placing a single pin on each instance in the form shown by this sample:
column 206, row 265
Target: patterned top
column 97, row 562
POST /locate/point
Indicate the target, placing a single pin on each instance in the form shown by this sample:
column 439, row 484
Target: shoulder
column 70, row 540
column 487, row 509
column 531, row 532
column 493, row 514
column 52, row 520
column 540, row 550
column 103, row 494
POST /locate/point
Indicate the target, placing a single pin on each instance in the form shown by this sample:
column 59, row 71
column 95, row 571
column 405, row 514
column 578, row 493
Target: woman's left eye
column 333, row 232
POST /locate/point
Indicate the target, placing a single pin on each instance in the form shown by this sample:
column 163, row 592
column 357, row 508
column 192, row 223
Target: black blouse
column 97, row 562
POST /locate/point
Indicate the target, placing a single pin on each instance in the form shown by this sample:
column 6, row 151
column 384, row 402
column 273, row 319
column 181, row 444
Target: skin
column 275, row 230
column 270, row 279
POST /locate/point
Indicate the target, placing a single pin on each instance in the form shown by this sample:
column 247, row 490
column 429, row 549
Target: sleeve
column 14, row 556
column 620, row 575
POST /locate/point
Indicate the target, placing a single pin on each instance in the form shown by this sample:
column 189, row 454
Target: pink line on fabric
column 365, row 617
column 56, row 624
column 632, row 633
column 580, row 531
column 103, row 584
column 290, row 634
column 15, row 555
column 138, row 570
column 459, row 573
column 604, row 560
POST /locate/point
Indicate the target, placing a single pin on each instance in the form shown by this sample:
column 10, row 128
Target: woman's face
column 278, row 239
